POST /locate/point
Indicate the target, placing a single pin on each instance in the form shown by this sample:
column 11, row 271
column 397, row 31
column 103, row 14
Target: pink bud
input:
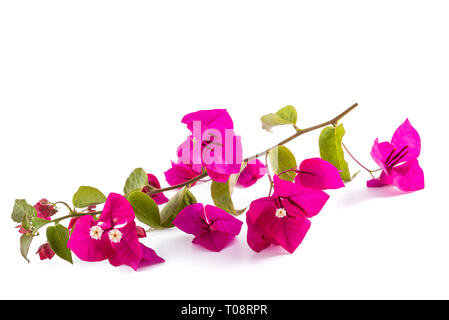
column 45, row 209
column 141, row 233
column 45, row 252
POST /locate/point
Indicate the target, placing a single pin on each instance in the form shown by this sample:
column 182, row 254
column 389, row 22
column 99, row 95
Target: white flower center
column 96, row 232
column 115, row 236
column 281, row 212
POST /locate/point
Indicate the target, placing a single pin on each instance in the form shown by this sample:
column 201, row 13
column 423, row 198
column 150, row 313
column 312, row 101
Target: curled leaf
column 22, row 208
column 331, row 149
column 221, row 195
column 181, row 199
column 286, row 115
column 283, row 163
column 88, row 196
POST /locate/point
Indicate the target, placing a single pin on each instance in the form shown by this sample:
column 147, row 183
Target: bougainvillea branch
column 298, row 133
column 214, row 150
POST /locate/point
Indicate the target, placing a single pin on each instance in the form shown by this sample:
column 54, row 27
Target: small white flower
column 95, row 232
column 281, row 212
column 115, row 236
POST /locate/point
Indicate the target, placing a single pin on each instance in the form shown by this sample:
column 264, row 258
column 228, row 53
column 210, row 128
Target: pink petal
column 214, row 240
column 128, row 250
column 288, row 231
column 256, row 239
column 221, row 220
column 317, row 173
column 116, row 211
column 84, row 246
column 192, row 219
column 179, row 173
column 149, row 257
column 159, row 198
column 251, row 174
column 380, row 153
column 408, row 176
column 376, row 183
column 406, row 135
column 310, row 201
column 223, row 178
column 215, row 118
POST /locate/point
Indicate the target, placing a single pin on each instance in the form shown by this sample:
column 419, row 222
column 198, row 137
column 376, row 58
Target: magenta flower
column 159, row 198
column 45, row 209
column 45, row 252
column 113, row 236
column 212, row 227
column 282, row 219
column 212, row 146
column 253, row 171
column 398, row 160
column 317, row 173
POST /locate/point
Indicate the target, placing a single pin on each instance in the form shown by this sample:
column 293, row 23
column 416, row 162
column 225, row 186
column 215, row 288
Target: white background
column 89, row 90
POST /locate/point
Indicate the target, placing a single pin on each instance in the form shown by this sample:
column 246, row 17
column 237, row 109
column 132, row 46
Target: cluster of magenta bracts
column 282, row 218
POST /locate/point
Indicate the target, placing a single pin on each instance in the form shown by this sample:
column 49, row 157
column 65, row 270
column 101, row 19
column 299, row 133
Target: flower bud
column 45, row 252
column 45, row 209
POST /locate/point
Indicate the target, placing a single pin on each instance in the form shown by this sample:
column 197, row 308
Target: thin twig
column 298, row 133
column 361, row 165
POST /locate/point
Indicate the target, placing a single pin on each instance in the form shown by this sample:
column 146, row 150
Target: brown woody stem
column 298, row 133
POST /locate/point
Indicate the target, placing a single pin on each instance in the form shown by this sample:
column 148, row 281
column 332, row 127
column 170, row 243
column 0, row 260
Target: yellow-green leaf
column 88, row 196
column 283, row 161
column 331, row 149
column 286, row 115
column 136, row 181
column 145, row 209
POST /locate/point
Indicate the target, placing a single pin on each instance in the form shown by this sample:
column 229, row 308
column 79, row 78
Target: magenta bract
column 212, row 227
column 398, row 160
column 318, row 174
column 159, row 198
column 212, row 146
column 282, row 219
column 253, row 171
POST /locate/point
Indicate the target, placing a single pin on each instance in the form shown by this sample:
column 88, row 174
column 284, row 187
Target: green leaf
column 57, row 237
column 181, row 199
column 38, row 222
column 222, row 196
column 88, row 196
column 145, row 209
column 136, row 181
column 282, row 159
column 22, row 208
column 286, row 115
column 331, row 149
column 25, row 242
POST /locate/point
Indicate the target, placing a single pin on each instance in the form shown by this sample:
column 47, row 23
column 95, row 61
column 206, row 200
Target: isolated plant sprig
column 214, row 150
